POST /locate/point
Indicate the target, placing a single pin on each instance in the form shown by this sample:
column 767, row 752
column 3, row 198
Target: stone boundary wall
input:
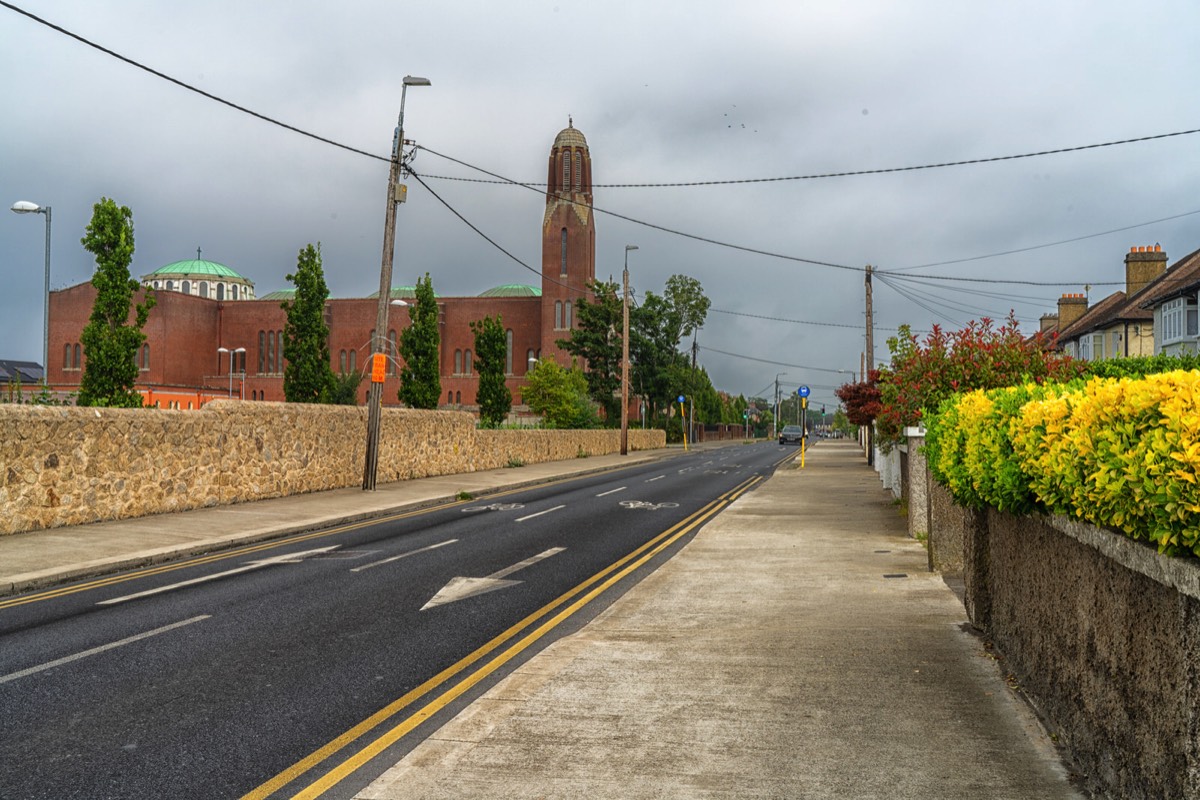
column 69, row 466
column 1103, row 636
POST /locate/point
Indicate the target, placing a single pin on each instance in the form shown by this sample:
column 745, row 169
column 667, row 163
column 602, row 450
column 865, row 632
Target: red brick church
column 207, row 317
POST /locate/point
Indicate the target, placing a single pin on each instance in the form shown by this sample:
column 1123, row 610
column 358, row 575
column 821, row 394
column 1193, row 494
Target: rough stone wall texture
column 918, row 489
column 69, row 466
column 1108, row 655
column 947, row 523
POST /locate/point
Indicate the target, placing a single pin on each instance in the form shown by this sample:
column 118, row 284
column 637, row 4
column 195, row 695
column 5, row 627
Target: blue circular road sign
column 802, row 391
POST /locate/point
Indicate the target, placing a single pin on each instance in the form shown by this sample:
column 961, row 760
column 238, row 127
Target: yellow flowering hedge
column 1117, row 452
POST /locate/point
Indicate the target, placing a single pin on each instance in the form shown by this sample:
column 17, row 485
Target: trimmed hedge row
column 1117, row 452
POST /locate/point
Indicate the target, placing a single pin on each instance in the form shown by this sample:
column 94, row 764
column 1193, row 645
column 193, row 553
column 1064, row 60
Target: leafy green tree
column 689, row 304
column 110, row 344
column 307, row 377
column 491, row 353
column 345, row 389
column 559, row 394
column 420, row 377
column 596, row 339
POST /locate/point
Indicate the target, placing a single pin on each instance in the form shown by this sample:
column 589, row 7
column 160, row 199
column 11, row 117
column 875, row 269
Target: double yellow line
column 573, row 600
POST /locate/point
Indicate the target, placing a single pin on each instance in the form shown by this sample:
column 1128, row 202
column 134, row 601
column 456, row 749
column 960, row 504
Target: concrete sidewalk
column 43, row 558
column 796, row 648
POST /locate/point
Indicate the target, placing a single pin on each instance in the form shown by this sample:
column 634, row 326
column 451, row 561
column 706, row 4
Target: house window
column 1098, row 347
column 1173, row 319
column 508, row 352
column 186, row 287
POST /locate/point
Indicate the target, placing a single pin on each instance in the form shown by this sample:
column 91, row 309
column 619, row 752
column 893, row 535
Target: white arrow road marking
column 613, row 491
column 462, row 588
column 12, row 676
column 538, row 514
column 403, row 555
column 287, row 558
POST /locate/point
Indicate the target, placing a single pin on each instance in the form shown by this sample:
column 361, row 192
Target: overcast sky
column 664, row 92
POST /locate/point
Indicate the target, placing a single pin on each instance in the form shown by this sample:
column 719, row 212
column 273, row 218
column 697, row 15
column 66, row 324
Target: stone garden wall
column 68, row 466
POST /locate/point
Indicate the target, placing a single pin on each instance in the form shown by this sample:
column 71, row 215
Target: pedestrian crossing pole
column 804, row 429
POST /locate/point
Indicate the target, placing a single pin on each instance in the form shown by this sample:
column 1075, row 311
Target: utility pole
column 395, row 195
column 625, row 354
column 870, row 363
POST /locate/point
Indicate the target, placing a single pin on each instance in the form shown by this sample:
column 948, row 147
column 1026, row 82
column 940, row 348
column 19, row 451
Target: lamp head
column 26, row 207
column 411, row 80
column 629, row 247
column 398, row 303
column 222, row 349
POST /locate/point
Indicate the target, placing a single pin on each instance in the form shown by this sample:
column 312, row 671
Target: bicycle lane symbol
column 647, row 505
column 493, row 507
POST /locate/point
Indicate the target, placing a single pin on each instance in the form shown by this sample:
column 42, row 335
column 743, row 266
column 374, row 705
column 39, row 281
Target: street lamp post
column 625, row 355
column 26, row 207
column 775, row 416
column 394, row 196
column 232, row 354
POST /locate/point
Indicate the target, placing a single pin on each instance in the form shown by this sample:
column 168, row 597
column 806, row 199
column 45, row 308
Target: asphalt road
column 304, row 667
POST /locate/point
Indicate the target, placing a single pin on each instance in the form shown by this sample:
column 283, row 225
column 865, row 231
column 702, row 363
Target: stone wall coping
column 914, row 432
column 1180, row 574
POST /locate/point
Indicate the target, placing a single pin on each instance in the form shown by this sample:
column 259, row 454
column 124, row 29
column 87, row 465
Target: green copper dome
column 196, row 266
column 513, row 290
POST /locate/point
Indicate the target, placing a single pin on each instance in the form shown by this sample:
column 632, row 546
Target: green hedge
column 1118, row 452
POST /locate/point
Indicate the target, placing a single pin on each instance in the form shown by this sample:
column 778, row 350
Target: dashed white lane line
column 659, row 478
column 12, row 676
column 612, row 491
column 404, row 555
column 538, row 514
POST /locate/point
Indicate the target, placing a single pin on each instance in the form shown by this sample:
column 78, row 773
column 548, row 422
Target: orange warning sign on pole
column 379, row 368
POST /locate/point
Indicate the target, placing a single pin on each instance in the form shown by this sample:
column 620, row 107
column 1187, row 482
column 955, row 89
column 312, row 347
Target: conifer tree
column 307, row 376
column 420, row 377
column 491, row 355
column 110, row 343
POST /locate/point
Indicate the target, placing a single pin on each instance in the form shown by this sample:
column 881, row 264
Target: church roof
column 512, row 290
column 570, row 136
column 281, row 294
column 196, row 266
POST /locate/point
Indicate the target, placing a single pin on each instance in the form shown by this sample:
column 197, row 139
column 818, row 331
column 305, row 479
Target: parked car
column 791, row 434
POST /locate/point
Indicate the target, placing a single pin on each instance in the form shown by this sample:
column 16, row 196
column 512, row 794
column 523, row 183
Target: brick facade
column 184, row 332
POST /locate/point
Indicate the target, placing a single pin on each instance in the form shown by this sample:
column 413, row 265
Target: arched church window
column 566, row 170
column 220, row 291
column 66, row 356
column 467, row 362
column 563, row 248
column 170, row 286
column 508, row 352
column 458, row 362
column 233, row 292
column 578, row 172
column 567, row 314
column 186, row 288
column 204, row 289
column 76, row 364
column 557, row 314
column 262, row 349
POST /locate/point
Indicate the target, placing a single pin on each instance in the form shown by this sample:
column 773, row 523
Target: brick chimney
column 1070, row 308
column 1143, row 265
column 1049, row 322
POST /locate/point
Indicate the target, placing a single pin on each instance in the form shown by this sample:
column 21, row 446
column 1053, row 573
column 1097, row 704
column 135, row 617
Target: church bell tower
column 568, row 238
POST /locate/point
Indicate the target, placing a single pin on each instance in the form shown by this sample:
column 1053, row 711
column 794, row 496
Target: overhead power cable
column 188, row 86
column 769, row 361
column 857, row 172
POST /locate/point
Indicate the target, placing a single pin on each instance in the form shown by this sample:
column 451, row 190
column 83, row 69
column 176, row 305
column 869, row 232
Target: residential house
column 1172, row 301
